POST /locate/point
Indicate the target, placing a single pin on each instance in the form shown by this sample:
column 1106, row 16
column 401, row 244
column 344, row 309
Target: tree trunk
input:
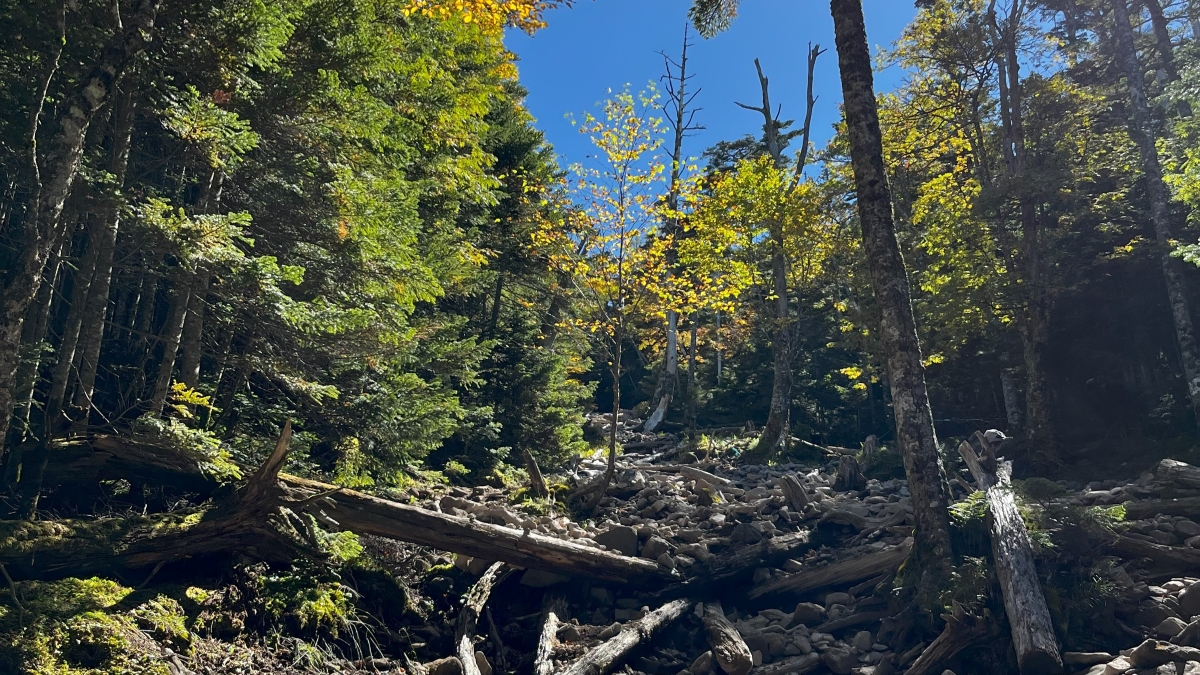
column 1012, row 401
column 554, row 610
column 96, row 309
column 193, row 330
column 1141, row 128
column 728, row 647
column 1167, row 72
column 42, row 230
column 666, row 383
column 1028, row 615
column 915, row 434
column 32, row 342
column 60, row 375
column 602, row 488
column 171, row 334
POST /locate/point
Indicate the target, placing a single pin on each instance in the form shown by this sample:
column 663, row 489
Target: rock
column 756, row 658
column 703, row 665
column 481, row 662
column 809, row 614
column 862, row 640
column 570, row 633
column 745, row 535
column 654, row 547
column 1170, row 627
column 620, row 538
column 1191, row 668
column 885, row 667
column 1154, row 653
column 837, row 599
column 1096, row 670
column 1085, row 658
column 610, row 631
column 666, row 561
column 840, row 661
column 1167, row 669
column 1189, row 600
column 761, row 574
column 601, row 595
column 802, row 644
column 1187, row 528
column 1117, row 666
column 542, row 579
column 447, row 666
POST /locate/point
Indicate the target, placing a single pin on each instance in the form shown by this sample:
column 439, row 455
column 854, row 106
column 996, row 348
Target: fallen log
column 1182, row 474
column 728, row 647
column 961, row 631
column 365, row 514
column 796, row 665
column 602, row 659
column 838, row 573
column 468, row 618
column 1165, row 561
column 1028, row 615
column 1184, row 506
column 554, row 607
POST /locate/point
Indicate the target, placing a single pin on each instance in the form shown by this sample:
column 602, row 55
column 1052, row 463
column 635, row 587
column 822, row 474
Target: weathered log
column 961, row 631
column 603, row 658
column 1182, row 474
column 839, row 517
column 1165, row 561
column 468, row 618
column 447, row 666
column 554, row 608
column 796, row 665
column 1028, row 615
column 537, row 482
column 796, row 495
column 728, row 647
column 856, row 619
column 697, row 474
column 838, row 573
column 366, row 514
column 1184, row 506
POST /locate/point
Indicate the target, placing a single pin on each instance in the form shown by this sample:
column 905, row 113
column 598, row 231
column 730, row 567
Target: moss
column 82, row 538
column 886, row 464
column 75, row 627
column 312, row 600
column 164, row 618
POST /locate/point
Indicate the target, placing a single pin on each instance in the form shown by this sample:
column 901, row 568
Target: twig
column 152, row 573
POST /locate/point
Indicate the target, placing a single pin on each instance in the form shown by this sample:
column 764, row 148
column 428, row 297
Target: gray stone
column 654, row 547
column 809, row 614
column 481, row 662
column 1189, row 600
column 837, row 599
column 862, row 640
column 620, row 538
column 744, row 535
column 840, row 661
column 610, row 631
column 1085, row 658
column 703, row 665
column 666, row 561
column 1170, row 627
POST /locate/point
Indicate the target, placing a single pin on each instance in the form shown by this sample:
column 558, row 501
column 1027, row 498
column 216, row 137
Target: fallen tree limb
column 1028, row 615
column 1185, row 506
column 838, row 573
column 961, row 631
column 365, row 514
column 1166, row 561
column 728, row 647
column 468, row 618
column 602, row 659
column 796, row 665
column 554, row 608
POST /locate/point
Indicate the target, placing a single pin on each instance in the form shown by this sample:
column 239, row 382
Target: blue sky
column 600, row 44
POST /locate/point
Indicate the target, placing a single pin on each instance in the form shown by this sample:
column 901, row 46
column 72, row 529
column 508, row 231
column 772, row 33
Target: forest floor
column 805, row 578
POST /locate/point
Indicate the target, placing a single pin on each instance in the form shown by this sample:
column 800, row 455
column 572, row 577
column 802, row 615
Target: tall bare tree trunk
column 60, row 374
column 33, row 335
column 172, row 332
column 678, row 102
column 898, row 330
column 193, row 331
column 42, row 230
column 96, row 310
column 1141, row 128
column 1012, row 402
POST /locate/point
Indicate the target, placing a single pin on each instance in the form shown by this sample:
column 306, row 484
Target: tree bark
column 191, row 345
column 1141, row 129
column 42, row 231
column 1028, row 615
column 171, row 334
column 33, row 335
column 606, row 657
column 468, row 618
column 961, row 631
column 1012, row 401
column 666, row 383
column 96, row 309
column 728, row 647
column 915, row 434
column 843, row 572
column 60, row 375
column 554, row 608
